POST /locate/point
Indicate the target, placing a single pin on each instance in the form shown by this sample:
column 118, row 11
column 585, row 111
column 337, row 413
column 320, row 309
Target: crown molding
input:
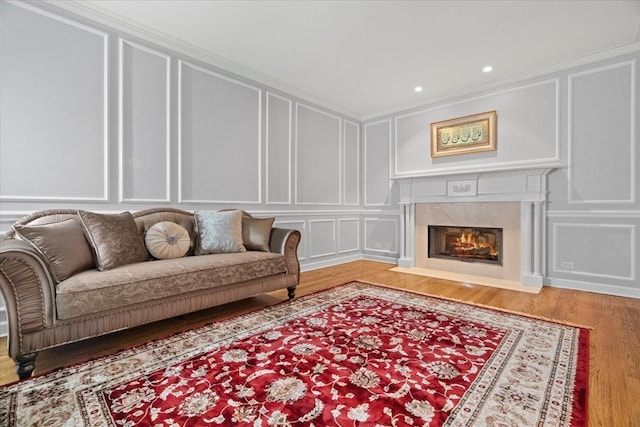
column 102, row 16
column 98, row 14
column 545, row 71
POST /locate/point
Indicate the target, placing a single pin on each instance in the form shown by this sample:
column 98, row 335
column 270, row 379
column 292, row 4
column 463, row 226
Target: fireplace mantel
column 527, row 185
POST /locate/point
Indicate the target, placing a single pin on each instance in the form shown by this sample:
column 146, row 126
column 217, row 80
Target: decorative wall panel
column 528, row 131
column 605, row 251
column 377, row 140
column 278, row 149
column 53, row 108
column 351, row 170
column 602, row 141
column 219, row 129
column 381, row 235
column 318, row 157
column 144, row 125
column 322, row 237
column 348, row 235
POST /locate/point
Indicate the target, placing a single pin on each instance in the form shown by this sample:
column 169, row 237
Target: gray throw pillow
column 114, row 238
column 219, row 232
column 62, row 244
column 256, row 233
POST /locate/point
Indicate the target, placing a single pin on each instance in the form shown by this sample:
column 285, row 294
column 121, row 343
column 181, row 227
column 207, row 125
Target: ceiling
column 364, row 58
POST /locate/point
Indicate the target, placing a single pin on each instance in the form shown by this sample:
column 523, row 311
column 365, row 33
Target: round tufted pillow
column 167, row 240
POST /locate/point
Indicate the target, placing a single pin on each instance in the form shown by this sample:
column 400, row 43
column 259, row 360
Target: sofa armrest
column 28, row 290
column 284, row 241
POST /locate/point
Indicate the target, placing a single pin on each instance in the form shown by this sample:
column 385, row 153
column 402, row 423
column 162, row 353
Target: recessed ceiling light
column 418, row 88
column 487, row 69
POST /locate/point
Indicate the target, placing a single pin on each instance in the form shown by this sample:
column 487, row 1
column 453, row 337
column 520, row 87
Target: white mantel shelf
column 527, row 185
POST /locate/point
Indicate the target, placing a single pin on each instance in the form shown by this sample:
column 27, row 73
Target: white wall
column 94, row 118
column 585, row 119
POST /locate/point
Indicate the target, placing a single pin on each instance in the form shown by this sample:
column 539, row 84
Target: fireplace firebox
column 471, row 244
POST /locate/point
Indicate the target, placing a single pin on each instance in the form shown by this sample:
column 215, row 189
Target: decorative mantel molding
column 527, row 185
column 522, row 184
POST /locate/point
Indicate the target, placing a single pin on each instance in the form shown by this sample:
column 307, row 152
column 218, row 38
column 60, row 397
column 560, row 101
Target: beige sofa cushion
column 63, row 245
column 256, row 233
column 94, row 292
column 114, row 238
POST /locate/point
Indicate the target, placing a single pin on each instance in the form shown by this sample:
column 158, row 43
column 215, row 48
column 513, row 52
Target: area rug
column 358, row 354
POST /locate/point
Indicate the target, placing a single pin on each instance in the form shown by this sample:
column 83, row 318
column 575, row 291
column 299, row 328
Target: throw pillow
column 167, row 240
column 62, row 244
column 114, row 239
column 256, row 233
column 219, row 232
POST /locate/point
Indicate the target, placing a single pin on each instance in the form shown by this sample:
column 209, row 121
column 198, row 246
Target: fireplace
column 470, row 244
column 511, row 196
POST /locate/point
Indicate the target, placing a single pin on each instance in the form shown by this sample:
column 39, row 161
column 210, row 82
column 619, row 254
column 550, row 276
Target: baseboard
column 308, row 266
column 381, row 258
column 599, row 288
column 346, row 258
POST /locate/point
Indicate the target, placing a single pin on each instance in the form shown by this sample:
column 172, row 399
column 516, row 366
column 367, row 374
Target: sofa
column 56, row 292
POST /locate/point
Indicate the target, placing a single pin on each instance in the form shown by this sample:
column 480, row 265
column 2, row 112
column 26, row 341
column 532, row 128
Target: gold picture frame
column 464, row 135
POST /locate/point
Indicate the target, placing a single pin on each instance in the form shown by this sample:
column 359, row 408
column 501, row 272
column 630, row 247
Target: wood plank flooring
column 614, row 380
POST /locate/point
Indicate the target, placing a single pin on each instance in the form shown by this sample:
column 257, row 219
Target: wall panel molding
column 342, row 233
column 494, row 165
column 268, row 149
column 105, row 89
column 315, row 236
column 557, row 263
column 394, row 247
column 367, row 167
column 346, row 123
column 319, row 181
column 594, row 214
column 123, row 178
column 181, row 143
column 572, row 197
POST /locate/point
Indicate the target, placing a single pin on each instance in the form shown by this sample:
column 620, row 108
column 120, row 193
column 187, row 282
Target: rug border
column 475, row 304
column 579, row 408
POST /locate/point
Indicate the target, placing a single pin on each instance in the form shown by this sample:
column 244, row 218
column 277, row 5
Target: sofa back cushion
column 62, row 244
column 256, row 233
column 114, row 239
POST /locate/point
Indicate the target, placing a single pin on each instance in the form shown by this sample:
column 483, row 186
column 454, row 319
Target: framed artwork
column 463, row 135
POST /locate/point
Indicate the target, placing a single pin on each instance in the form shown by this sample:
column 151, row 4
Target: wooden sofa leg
column 291, row 292
column 25, row 364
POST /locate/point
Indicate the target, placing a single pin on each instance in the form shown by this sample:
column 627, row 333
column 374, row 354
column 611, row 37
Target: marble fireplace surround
column 494, row 192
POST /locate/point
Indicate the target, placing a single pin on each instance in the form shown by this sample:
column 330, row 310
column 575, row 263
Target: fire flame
column 470, row 241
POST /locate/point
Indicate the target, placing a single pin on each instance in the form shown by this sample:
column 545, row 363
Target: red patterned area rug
column 358, row 354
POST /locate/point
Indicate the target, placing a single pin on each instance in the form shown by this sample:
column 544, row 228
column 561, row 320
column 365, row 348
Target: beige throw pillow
column 219, row 232
column 256, row 233
column 167, row 240
column 114, row 238
column 63, row 245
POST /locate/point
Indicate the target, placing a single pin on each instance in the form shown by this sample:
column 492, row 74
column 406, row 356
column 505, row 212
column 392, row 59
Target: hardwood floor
column 614, row 380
